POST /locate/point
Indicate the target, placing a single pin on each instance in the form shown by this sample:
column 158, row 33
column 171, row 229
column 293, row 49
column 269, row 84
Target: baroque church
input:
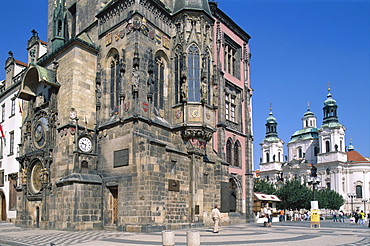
column 138, row 118
column 317, row 154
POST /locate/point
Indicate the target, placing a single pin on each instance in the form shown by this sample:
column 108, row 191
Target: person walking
column 335, row 218
column 269, row 218
column 216, row 216
column 361, row 217
column 355, row 215
column 341, row 216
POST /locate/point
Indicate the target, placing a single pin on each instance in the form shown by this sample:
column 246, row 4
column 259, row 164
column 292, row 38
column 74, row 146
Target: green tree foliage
column 264, row 187
column 329, row 199
column 293, row 195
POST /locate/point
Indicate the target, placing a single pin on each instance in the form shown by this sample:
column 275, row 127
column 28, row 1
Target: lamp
column 365, row 201
column 352, row 195
column 314, row 181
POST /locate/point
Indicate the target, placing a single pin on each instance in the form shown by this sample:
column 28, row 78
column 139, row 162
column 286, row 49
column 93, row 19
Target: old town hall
column 138, row 118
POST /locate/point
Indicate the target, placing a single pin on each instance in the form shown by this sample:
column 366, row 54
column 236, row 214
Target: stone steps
column 6, row 224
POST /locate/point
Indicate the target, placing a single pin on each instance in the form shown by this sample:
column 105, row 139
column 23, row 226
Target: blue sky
column 297, row 47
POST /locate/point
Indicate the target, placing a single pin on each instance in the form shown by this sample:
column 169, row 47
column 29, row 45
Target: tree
column 263, row 186
column 294, row 195
column 329, row 199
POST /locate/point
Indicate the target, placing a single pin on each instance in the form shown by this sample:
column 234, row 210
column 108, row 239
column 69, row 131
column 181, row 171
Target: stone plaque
column 120, row 158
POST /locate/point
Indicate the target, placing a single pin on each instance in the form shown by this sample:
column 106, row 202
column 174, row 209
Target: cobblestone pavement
column 284, row 233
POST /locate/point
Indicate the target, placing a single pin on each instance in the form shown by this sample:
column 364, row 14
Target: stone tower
column 119, row 118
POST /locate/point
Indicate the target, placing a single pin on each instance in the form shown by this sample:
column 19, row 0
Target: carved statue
column 44, row 174
column 215, row 95
column 204, row 90
column 135, row 79
column 184, row 90
column 24, row 176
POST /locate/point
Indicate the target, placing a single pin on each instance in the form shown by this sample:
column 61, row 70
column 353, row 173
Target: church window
column 228, row 151
column 159, row 68
column 306, row 123
column 300, row 154
column 341, row 145
column 227, row 106
column 328, row 186
column 327, row 146
column 358, row 191
column 193, row 74
column 316, row 150
column 279, row 154
column 267, row 157
column 178, row 80
column 114, row 83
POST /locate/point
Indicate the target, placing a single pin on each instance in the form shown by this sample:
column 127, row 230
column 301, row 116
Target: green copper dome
column 329, row 100
column 271, row 118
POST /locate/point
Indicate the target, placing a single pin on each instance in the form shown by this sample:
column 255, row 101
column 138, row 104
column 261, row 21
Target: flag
column 1, row 131
column 20, row 107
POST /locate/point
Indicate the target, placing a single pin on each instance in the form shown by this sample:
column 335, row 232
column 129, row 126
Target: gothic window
column 114, row 82
column 193, row 74
column 228, row 151
column 237, row 154
column 327, row 146
column 358, row 191
column 159, row 68
column 177, row 77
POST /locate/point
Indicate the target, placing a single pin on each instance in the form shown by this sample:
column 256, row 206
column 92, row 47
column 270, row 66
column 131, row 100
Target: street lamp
column 352, row 195
column 314, row 181
column 364, row 201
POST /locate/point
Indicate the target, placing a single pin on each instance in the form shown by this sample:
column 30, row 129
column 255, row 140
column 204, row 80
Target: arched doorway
column 234, row 195
column 2, row 207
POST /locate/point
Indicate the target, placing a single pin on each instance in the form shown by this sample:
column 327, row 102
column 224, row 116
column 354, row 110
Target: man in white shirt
column 216, row 216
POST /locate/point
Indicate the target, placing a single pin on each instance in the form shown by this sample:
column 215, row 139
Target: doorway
column 2, row 207
column 113, row 205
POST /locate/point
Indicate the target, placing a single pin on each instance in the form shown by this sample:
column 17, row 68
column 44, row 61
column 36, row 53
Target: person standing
column 361, row 217
column 335, row 218
column 355, row 215
column 269, row 217
column 216, row 216
column 341, row 216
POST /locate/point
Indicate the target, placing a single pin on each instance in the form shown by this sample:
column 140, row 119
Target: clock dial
column 39, row 132
column 35, row 178
column 85, row 144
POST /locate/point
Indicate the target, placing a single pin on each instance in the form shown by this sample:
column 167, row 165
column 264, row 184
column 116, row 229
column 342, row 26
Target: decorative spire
column 330, row 108
column 271, row 125
column 350, row 147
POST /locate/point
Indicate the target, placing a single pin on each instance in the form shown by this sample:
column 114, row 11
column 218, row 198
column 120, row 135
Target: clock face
column 35, row 178
column 39, row 132
column 85, row 144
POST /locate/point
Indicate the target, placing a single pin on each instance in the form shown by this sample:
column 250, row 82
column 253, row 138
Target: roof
column 264, row 197
column 304, row 134
column 354, row 156
column 331, row 125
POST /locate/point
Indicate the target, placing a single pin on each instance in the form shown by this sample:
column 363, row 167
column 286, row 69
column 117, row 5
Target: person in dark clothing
column 356, row 216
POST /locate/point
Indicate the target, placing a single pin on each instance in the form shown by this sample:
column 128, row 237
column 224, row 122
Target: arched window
column 237, row 154
column 193, row 74
column 208, row 68
column 159, row 75
column 267, row 157
column 358, row 191
column 178, row 68
column 228, row 151
column 300, row 154
column 327, row 146
column 114, row 81
column 279, row 154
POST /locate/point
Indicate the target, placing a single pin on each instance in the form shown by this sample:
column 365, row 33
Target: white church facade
column 322, row 149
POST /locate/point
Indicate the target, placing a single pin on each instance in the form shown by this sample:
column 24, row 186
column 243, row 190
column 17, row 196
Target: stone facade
column 122, row 118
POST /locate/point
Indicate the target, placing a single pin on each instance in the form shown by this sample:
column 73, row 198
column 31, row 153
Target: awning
column 264, row 197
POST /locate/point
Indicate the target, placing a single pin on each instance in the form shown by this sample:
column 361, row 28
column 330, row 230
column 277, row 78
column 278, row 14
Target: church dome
column 271, row 118
column 329, row 100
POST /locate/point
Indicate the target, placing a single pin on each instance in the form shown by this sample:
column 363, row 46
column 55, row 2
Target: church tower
column 304, row 143
column 272, row 151
column 331, row 134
